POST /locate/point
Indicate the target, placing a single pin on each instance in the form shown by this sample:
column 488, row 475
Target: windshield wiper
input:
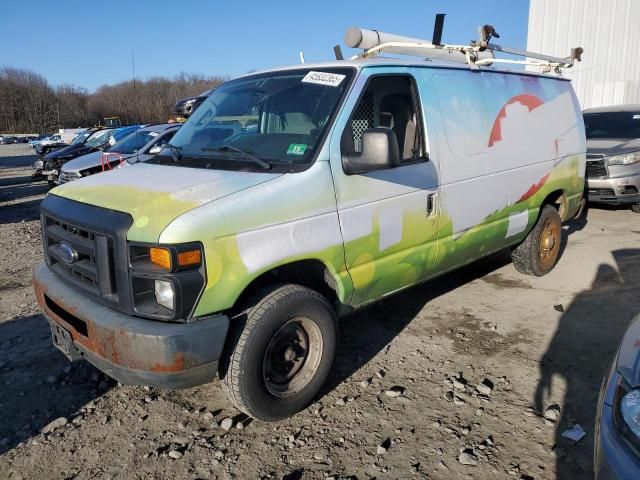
column 226, row 148
column 175, row 152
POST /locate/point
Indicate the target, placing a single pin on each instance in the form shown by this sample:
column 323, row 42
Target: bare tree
column 29, row 104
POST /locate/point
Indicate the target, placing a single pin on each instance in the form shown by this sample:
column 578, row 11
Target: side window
column 164, row 140
column 390, row 101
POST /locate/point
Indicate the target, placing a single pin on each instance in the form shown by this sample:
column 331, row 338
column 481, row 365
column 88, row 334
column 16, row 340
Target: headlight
column 630, row 411
column 624, row 159
column 166, row 280
column 626, row 412
column 38, row 164
column 164, row 293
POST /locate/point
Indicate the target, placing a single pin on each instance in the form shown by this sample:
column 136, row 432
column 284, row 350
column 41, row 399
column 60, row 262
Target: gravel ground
column 473, row 375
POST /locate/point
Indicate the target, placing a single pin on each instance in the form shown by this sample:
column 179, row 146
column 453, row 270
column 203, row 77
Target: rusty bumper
column 130, row 349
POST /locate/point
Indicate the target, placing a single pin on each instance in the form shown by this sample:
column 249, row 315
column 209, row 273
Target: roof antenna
column 301, row 56
column 437, row 29
column 337, row 51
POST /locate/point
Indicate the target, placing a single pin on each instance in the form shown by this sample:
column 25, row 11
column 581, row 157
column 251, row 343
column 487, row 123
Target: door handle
column 431, row 204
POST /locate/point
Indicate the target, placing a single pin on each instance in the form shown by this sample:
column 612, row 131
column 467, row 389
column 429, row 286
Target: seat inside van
column 388, row 102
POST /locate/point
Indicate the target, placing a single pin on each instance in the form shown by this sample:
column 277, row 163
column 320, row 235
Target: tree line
column 29, row 104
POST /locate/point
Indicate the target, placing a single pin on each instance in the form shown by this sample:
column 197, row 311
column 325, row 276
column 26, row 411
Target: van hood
column 612, row 146
column 155, row 195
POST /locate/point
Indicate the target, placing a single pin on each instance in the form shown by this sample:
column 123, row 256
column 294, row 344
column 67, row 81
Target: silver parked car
column 136, row 147
column 613, row 155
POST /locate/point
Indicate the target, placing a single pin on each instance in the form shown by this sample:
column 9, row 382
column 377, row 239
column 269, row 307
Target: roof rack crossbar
column 478, row 53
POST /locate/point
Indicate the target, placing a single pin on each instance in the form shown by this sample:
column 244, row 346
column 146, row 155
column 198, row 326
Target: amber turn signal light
column 189, row 258
column 160, row 257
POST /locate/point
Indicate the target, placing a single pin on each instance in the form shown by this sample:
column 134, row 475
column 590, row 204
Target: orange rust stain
column 176, row 366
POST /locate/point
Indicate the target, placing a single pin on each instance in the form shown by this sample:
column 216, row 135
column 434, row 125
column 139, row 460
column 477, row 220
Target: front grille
column 95, row 259
column 602, row 192
column 596, row 168
column 92, row 268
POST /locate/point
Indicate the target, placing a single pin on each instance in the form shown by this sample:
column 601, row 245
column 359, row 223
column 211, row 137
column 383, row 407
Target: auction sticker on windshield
column 296, row 149
column 324, row 78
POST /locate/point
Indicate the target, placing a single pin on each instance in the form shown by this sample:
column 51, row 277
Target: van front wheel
column 281, row 353
column 540, row 250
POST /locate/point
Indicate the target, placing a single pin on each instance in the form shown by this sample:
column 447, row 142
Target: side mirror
column 155, row 149
column 379, row 152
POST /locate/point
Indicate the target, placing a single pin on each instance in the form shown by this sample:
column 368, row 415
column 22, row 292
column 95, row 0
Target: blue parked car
column 617, row 435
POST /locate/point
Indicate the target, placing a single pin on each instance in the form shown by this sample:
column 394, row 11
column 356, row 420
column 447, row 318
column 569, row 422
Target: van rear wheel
column 540, row 250
column 281, row 353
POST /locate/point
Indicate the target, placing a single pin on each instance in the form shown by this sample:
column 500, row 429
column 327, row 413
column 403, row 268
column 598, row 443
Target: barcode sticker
column 323, row 78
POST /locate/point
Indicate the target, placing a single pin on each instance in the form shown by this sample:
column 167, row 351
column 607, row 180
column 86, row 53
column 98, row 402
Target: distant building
column 609, row 32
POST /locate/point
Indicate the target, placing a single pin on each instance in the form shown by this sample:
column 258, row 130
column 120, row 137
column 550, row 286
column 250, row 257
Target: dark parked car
column 186, row 106
column 136, row 147
column 98, row 140
column 80, row 139
column 613, row 155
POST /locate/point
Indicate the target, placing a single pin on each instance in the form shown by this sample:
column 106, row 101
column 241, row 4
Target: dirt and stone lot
column 473, row 375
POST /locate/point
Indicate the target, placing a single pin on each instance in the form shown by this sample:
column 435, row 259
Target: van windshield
column 612, row 125
column 269, row 121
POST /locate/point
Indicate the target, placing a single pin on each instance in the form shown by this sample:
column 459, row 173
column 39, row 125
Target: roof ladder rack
column 478, row 53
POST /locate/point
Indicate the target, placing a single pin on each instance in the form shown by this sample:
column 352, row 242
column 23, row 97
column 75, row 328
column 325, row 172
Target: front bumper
column 132, row 350
column 615, row 191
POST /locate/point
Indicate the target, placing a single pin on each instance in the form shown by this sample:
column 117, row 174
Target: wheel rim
column 292, row 357
column 549, row 244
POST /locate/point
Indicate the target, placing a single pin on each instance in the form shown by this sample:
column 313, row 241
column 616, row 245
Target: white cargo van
column 295, row 195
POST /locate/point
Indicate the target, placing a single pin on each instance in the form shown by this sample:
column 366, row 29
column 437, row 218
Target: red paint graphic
column 526, row 99
column 533, row 189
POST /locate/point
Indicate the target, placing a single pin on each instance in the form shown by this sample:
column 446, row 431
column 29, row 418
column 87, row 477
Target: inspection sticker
column 296, row 149
column 324, row 78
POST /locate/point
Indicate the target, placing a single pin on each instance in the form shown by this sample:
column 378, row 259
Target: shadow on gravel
column 387, row 318
column 17, row 191
column 17, row 161
column 369, row 331
column 23, row 211
column 37, row 383
column 581, row 352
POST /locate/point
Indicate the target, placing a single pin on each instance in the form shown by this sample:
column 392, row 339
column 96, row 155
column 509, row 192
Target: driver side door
column 388, row 217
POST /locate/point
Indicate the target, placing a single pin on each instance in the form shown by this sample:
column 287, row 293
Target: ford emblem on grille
column 67, row 252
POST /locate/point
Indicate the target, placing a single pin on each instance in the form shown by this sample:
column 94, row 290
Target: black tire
column 248, row 375
column 635, row 207
column 530, row 257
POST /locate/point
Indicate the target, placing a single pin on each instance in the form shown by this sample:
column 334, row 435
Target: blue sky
column 88, row 43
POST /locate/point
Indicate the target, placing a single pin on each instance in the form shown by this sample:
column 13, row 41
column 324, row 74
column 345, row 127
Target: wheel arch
column 558, row 199
column 311, row 273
